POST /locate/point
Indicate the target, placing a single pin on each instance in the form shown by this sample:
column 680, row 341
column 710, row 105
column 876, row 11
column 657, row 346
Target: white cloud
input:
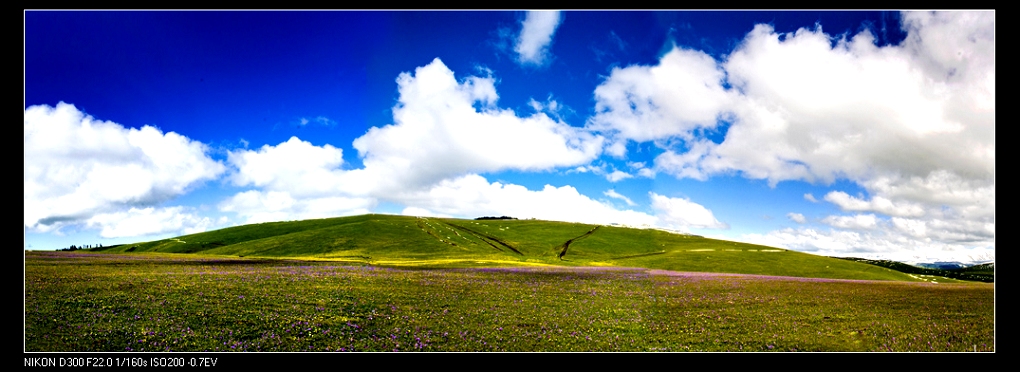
column 828, row 242
column 438, row 133
column 296, row 180
column 683, row 213
column 421, row 212
column 295, row 166
column 551, row 107
column 318, row 119
column 642, row 171
column 876, row 204
column 257, row 206
column 955, row 46
column 975, row 196
column 537, row 30
column 809, row 106
column 912, row 227
column 914, row 124
column 78, row 167
column 851, row 110
column 324, row 120
column 617, row 148
column 618, row 175
column 472, row 196
column 859, row 221
column 615, row 175
column 810, row 198
column 796, row 217
column 697, row 163
column 644, row 103
column 148, row 221
column 883, row 242
column 615, row 195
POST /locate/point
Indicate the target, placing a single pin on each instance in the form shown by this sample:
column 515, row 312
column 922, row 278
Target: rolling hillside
column 441, row 242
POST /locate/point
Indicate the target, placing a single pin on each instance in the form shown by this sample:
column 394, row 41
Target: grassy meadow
column 391, row 283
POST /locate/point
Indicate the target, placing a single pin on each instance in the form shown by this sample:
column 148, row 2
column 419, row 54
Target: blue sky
column 866, row 134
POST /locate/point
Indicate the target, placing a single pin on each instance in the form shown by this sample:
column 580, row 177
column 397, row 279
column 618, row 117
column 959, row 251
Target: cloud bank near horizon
column 83, row 171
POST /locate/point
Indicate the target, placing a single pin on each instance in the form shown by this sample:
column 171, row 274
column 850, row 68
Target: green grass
column 446, row 243
column 173, row 302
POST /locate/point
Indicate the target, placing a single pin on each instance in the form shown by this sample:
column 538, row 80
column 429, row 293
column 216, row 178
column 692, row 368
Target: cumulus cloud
column 796, row 217
column 81, row 170
column 810, row 106
column 810, row 198
column 816, row 111
column 444, row 128
column 683, row 214
column 644, row 103
column 295, row 180
column 295, row 166
column 537, row 30
column 913, row 123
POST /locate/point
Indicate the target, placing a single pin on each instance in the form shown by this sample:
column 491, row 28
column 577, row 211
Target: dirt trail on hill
column 567, row 243
column 485, row 238
column 427, row 231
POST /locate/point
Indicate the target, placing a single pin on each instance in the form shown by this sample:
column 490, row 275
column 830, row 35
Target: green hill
column 442, row 242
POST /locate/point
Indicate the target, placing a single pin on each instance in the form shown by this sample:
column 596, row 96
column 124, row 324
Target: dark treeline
column 75, row 248
column 496, row 218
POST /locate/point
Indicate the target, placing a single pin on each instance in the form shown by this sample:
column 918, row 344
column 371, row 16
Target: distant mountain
column 942, row 265
column 956, row 270
column 985, row 269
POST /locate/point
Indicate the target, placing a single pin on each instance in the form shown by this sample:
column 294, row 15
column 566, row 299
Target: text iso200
column 166, row 362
